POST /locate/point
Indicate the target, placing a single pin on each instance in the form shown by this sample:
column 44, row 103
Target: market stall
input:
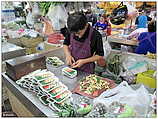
column 26, row 98
column 77, row 59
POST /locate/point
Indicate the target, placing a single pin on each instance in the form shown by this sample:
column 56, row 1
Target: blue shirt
column 101, row 26
column 142, row 21
column 147, row 43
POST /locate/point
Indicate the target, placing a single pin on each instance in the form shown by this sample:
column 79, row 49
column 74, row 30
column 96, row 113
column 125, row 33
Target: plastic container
column 57, row 91
column 43, row 99
column 55, row 61
column 71, row 73
column 62, row 97
column 146, row 78
column 51, row 86
column 48, row 81
column 43, row 75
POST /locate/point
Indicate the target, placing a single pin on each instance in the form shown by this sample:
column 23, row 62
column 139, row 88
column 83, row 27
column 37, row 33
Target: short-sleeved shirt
column 147, row 43
column 142, row 21
column 101, row 26
column 96, row 41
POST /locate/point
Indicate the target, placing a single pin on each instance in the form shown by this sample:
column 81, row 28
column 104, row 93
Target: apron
column 82, row 50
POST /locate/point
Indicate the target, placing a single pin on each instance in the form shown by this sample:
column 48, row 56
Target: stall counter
column 26, row 104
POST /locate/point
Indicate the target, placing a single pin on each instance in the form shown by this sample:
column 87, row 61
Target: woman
column 84, row 45
column 107, row 21
column 101, row 24
column 147, row 40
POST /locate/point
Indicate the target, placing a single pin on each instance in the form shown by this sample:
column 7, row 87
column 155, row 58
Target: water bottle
column 124, row 49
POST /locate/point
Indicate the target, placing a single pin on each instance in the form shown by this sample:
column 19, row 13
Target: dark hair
column 104, row 16
column 152, row 26
column 108, row 15
column 76, row 22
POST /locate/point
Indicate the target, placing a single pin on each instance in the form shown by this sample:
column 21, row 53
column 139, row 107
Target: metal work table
column 10, row 51
column 28, row 99
column 31, row 101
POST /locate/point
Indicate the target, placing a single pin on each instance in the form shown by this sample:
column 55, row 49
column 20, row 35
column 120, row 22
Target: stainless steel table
column 30, row 101
column 10, row 51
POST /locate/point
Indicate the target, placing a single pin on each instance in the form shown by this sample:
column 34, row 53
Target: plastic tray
column 68, row 94
column 61, row 89
column 43, row 99
column 51, row 86
column 47, row 81
column 71, row 73
column 43, row 75
column 55, row 61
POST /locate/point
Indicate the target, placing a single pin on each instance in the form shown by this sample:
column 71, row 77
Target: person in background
column 142, row 20
column 88, row 15
column 147, row 40
column 91, row 17
column 136, row 33
column 94, row 19
column 84, row 44
column 101, row 24
column 107, row 21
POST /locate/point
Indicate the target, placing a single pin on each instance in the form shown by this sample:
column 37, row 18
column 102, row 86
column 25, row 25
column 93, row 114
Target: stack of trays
column 55, row 90
column 47, row 87
column 69, row 72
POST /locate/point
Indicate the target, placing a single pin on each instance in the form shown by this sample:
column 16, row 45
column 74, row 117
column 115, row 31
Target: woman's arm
column 69, row 59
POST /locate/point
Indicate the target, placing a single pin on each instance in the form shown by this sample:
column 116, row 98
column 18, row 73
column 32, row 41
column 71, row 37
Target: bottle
column 124, row 49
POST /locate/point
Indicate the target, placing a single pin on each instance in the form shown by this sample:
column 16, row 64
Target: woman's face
column 80, row 33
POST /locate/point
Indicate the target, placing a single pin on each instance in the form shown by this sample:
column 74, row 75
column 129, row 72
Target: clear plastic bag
column 135, row 65
column 107, row 47
column 30, row 20
column 138, row 99
column 58, row 16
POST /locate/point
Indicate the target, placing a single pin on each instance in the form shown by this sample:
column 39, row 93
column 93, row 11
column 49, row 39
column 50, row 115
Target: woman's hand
column 70, row 60
column 78, row 63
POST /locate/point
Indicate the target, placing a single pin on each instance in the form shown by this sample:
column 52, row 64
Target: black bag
column 119, row 14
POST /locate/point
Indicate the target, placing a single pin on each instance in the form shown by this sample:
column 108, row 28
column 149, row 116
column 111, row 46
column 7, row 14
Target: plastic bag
column 124, row 94
column 58, row 16
column 132, row 11
column 40, row 46
column 135, row 65
column 107, row 47
column 30, row 20
column 35, row 9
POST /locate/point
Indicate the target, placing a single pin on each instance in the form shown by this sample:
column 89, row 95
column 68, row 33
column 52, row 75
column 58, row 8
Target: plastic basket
column 146, row 78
